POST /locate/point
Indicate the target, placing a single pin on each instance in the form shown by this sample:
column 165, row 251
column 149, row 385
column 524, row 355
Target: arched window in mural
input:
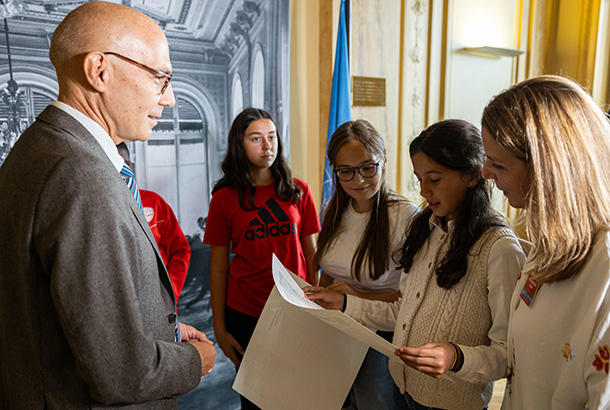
column 18, row 111
column 258, row 81
column 238, row 96
column 176, row 162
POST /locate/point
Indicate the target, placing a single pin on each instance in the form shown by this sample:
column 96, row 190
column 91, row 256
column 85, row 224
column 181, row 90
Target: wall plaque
column 368, row 91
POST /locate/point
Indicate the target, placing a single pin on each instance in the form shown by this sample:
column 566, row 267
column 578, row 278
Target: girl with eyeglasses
column 460, row 265
column 257, row 209
column 363, row 224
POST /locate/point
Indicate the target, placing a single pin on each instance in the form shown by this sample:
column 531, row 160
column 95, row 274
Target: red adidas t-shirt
column 277, row 227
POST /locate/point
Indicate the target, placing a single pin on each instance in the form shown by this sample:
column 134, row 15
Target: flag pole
column 340, row 100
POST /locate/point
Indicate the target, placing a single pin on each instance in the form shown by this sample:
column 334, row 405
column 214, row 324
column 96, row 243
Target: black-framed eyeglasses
column 167, row 77
column 365, row 171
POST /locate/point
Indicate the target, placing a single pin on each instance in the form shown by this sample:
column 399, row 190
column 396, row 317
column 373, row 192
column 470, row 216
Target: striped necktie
column 130, row 180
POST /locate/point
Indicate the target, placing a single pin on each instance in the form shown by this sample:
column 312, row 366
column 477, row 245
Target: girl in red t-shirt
column 257, row 209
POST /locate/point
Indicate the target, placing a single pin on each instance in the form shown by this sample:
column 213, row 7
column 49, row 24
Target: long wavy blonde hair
column 556, row 128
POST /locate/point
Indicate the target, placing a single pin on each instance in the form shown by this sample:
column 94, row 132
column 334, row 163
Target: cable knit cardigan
column 472, row 314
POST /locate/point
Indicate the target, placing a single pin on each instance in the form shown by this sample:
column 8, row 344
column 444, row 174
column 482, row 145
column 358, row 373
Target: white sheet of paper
column 302, row 356
column 295, row 361
column 289, row 285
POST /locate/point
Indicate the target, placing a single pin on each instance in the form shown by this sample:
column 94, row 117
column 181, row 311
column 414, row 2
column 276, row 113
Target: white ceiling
column 191, row 19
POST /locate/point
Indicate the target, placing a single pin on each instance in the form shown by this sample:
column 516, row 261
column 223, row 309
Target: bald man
column 87, row 307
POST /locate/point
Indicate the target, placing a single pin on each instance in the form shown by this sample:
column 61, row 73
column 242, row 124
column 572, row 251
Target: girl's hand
column 324, row 298
column 433, row 359
column 229, row 346
column 343, row 287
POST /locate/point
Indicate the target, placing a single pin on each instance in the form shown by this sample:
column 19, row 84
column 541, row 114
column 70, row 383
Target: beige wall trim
column 401, row 95
column 429, row 64
column 443, row 98
column 530, row 33
column 327, row 37
column 517, row 38
column 602, row 57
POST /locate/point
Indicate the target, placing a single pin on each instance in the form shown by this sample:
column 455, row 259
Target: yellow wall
column 440, row 81
column 375, row 40
column 304, row 92
column 375, row 52
column 415, row 50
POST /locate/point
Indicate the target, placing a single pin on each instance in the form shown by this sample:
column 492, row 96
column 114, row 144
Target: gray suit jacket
column 85, row 301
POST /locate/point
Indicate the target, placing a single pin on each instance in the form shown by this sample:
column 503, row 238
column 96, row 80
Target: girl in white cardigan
column 460, row 265
column 548, row 146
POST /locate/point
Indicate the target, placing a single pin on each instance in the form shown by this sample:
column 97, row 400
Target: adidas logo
column 267, row 226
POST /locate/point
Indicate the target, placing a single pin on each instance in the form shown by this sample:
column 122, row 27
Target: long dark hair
column 457, row 145
column 374, row 248
column 237, row 170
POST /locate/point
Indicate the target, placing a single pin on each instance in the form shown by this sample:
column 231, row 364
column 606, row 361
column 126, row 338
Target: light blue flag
column 340, row 106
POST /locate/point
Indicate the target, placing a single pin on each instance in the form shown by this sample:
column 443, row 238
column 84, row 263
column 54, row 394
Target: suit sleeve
column 106, row 287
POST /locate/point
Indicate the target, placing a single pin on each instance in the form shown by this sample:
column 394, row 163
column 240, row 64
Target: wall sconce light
column 492, row 52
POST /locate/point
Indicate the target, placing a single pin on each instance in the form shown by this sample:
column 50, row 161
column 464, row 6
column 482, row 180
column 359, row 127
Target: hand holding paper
column 326, row 299
column 343, row 287
column 433, row 359
column 288, row 288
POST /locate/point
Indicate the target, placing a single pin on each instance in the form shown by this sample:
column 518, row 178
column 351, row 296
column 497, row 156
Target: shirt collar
column 437, row 221
column 99, row 133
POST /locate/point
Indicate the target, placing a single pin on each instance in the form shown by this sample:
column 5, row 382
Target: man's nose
column 167, row 98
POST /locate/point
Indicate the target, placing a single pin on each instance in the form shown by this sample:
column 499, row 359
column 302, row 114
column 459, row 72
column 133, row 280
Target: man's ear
column 95, row 66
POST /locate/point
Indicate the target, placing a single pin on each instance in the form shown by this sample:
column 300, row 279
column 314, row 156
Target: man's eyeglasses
column 166, row 76
column 366, row 171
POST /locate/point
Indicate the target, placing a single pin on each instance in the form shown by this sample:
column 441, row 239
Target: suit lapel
column 64, row 121
column 139, row 215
